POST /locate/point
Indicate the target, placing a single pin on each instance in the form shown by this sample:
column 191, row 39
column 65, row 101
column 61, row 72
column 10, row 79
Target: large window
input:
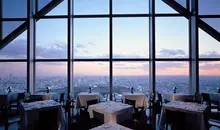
column 172, row 74
column 130, row 74
column 91, row 74
column 91, row 38
column 52, row 75
column 13, row 75
column 130, row 38
column 209, row 76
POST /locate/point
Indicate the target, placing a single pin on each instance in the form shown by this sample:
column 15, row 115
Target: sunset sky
column 130, row 40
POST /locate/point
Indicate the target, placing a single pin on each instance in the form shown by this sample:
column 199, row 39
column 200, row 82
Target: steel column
column 31, row 33
column 194, row 48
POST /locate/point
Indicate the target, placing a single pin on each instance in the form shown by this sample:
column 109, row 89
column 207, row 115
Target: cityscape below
column 164, row 84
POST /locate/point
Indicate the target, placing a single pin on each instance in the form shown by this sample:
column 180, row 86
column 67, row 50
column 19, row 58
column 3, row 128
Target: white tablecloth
column 46, row 96
column 178, row 96
column 200, row 110
column 83, row 97
column 140, row 98
column 111, row 126
column 29, row 113
column 114, row 112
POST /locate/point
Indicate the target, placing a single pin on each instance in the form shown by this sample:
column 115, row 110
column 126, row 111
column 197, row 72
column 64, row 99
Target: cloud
column 172, row 53
column 210, row 66
column 211, row 54
column 166, row 65
column 16, row 49
column 54, row 50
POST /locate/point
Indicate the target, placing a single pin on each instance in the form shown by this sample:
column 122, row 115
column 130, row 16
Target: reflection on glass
column 16, row 49
column 208, row 46
column 209, row 76
column 91, row 74
column 162, row 7
column 14, row 8
column 207, row 7
column 13, row 75
column 130, row 74
column 60, row 9
column 9, row 27
column 91, row 7
column 170, row 75
column 172, row 37
column 51, row 39
column 52, row 75
column 213, row 22
column 91, row 38
column 130, row 38
column 42, row 3
column 130, row 6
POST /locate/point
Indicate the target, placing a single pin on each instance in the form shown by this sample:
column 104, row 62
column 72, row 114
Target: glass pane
column 8, row 27
column 213, row 22
column 60, row 9
column 208, row 46
column 91, row 74
column 131, row 37
column 91, row 7
column 14, row 8
column 130, row 6
column 209, row 7
column 172, row 74
column 209, row 76
column 51, row 39
column 172, row 41
column 182, row 2
column 14, row 75
column 43, row 3
column 130, row 74
column 16, row 49
column 91, row 38
column 162, row 7
column 52, row 74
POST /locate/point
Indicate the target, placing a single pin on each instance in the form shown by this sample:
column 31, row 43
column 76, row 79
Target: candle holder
column 90, row 89
column 132, row 90
column 218, row 89
column 48, row 89
column 174, row 89
column 9, row 89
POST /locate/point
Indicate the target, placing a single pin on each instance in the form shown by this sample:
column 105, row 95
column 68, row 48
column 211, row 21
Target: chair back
column 3, row 114
column 62, row 98
column 176, row 119
column 98, row 116
column 130, row 102
column 206, row 97
column 48, row 119
column 91, row 102
column 159, row 96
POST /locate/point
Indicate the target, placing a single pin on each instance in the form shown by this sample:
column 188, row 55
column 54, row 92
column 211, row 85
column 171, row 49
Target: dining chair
column 215, row 123
column 48, row 119
column 175, row 119
column 4, row 117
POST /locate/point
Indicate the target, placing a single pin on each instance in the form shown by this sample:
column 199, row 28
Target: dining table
column 45, row 96
column 199, row 112
column 114, row 112
column 83, row 97
column 29, row 113
column 110, row 126
column 178, row 96
column 139, row 98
